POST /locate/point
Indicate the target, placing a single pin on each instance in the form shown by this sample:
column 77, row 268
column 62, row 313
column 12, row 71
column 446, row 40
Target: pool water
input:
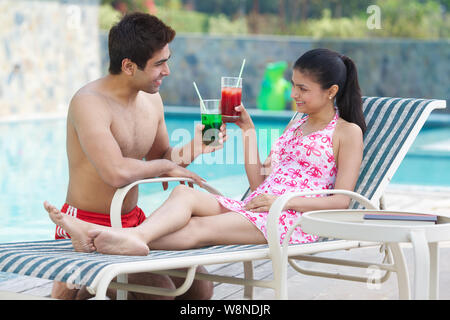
column 33, row 168
column 428, row 160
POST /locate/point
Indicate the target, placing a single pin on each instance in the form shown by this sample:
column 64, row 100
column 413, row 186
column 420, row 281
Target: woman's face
column 308, row 95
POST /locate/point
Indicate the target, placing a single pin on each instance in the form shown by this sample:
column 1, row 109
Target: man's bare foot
column 76, row 228
column 118, row 241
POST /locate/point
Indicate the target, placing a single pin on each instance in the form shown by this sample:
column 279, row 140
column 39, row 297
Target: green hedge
column 399, row 18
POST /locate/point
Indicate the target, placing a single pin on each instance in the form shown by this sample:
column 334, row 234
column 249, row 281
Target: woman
column 320, row 151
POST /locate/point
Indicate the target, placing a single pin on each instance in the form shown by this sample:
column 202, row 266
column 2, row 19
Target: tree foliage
column 422, row 19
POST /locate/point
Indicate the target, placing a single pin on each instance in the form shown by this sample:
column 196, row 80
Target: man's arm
column 92, row 121
column 184, row 155
column 161, row 148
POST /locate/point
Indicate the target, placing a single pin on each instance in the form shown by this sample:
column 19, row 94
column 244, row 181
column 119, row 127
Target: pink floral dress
column 299, row 163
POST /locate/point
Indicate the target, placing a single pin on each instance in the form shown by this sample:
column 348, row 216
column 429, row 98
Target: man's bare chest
column 134, row 134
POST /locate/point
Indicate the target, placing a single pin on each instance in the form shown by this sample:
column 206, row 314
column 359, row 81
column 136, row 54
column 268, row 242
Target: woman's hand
column 261, row 203
column 244, row 122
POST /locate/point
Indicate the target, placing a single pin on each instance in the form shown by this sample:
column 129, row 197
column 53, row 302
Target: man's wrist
column 196, row 150
column 167, row 165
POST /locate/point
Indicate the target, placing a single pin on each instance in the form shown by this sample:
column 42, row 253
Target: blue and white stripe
column 389, row 122
column 57, row 260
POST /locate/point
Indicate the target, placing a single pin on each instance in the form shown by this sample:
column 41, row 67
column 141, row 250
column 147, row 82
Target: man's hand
column 261, row 203
column 178, row 171
column 201, row 148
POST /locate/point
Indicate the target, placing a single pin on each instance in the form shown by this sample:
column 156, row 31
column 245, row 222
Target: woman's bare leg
column 227, row 228
column 174, row 214
column 183, row 203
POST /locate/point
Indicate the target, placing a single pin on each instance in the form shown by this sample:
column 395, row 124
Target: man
column 116, row 134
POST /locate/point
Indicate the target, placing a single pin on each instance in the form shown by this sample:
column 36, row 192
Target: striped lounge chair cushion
column 389, row 122
column 57, row 260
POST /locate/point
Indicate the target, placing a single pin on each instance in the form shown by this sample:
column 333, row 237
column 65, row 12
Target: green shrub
column 327, row 27
column 399, row 19
column 222, row 25
column 107, row 16
column 184, row 21
column 411, row 19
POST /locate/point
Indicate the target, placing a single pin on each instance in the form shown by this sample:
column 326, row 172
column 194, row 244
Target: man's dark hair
column 137, row 36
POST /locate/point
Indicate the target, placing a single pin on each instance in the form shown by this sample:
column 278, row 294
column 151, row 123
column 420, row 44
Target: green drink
column 212, row 120
column 211, row 130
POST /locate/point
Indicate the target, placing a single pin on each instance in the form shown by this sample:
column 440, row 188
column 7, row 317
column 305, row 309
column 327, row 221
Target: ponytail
column 329, row 68
column 348, row 99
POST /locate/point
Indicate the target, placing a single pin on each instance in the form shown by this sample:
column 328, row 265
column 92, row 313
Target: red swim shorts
column 132, row 219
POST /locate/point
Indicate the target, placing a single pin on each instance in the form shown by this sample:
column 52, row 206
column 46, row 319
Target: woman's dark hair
column 328, row 68
column 137, row 36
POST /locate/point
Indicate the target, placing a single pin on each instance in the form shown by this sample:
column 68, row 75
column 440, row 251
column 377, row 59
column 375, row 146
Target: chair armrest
column 117, row 200
column 273, row 238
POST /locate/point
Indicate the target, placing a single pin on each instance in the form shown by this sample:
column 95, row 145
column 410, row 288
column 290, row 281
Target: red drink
column 231, row 98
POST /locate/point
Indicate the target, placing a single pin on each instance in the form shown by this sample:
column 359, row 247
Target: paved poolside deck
column 307, row 287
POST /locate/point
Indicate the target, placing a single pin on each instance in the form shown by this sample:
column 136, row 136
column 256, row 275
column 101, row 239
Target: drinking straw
column 202, row 105
column 240, row 73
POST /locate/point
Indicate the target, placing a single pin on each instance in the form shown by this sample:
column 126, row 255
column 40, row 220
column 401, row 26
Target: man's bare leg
column 226, row 228
column 61, row 291
column 200, row 289
column 76, row 228
column 174, row 214
column 79, row 229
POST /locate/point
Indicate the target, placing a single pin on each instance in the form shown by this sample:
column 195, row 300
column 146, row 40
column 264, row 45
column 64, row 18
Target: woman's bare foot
column 118, row 241
column 76, row 228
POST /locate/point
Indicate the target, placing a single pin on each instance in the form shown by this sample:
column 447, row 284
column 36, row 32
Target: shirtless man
column 116, row 134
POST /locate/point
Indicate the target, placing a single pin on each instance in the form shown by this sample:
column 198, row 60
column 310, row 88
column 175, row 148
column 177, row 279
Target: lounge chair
column 393, row 124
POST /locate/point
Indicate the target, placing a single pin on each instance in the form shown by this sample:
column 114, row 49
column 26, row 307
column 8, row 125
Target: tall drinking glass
column 231, row 98
column 212, row 120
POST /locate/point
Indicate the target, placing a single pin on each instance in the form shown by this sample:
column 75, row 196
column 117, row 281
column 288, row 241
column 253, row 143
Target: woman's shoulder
column 348, row 130
column 346, row 127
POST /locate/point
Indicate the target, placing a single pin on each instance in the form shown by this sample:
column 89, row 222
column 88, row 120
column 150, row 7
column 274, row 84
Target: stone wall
column 48, row 50
column 387, row 67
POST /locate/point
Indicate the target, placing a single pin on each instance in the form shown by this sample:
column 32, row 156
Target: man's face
column 149, row 80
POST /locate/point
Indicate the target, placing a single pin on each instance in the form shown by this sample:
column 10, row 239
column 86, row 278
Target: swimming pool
column 33, row 167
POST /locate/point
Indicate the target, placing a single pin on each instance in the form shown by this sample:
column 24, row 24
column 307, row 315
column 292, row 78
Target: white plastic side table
column 350, row 225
